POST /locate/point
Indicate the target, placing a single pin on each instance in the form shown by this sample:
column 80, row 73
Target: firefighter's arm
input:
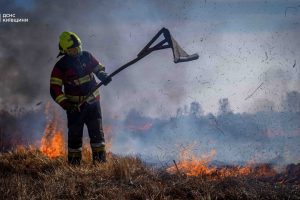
column 99, row 71
column 56, row 84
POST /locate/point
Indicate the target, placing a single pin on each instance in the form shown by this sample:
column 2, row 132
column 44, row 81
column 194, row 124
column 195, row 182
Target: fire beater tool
column 179, row 55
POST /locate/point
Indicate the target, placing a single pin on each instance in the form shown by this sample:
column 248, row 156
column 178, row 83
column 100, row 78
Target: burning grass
column 28, row 174
column 43, row 173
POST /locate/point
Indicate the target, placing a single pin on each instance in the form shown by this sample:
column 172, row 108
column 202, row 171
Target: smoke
column 19, row 126
column 240, row 48
column 28, row 51
column 264, row 137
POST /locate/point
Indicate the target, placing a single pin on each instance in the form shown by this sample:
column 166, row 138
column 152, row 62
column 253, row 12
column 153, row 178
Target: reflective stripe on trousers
column 98, row 147
column 74, row 153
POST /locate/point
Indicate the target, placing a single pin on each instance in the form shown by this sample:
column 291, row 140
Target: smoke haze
column 245, row 85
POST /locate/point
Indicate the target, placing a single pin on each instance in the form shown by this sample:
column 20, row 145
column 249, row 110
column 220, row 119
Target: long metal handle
column 113, row 74
column 164, row 44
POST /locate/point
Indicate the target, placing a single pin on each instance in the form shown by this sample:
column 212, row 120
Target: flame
column 54, row 147
column 108, row 133
column 52, row 143
column 234, row 171
column 192, row 165
column 139, row 127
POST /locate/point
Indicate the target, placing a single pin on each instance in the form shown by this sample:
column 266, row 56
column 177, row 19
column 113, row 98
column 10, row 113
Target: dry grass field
column 28, row 174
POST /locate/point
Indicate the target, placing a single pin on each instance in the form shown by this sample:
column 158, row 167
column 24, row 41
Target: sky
column 249, row 52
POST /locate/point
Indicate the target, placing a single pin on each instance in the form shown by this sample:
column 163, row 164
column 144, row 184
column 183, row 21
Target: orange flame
column 54, row 147
column 139, row 127
column 195, row 166
column 52, row 143
column 108, row 133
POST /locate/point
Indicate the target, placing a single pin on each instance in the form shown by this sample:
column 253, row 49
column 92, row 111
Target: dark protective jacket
column 72, row 78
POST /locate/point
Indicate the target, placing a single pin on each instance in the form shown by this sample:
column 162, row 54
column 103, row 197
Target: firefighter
column 72, row 78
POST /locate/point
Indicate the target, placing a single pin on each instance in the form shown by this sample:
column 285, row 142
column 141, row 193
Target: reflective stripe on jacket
column 72, row 78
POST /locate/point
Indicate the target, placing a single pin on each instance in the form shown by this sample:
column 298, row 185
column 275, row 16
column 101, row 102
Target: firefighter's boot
column 74, row 158
column 99, row 153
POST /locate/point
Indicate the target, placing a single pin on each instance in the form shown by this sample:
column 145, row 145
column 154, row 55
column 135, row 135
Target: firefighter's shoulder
column 86, row 54
column 61, row 63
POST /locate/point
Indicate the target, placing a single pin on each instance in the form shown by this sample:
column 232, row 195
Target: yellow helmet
column 68, row 40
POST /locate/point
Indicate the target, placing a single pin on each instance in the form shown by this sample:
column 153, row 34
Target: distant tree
column 224, row 106
column 263, row 105
column 185, row 110
column 292, row 101
column 179, row 112
column 196, row 109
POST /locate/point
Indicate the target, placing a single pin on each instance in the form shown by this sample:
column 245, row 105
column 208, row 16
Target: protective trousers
column 91, row 116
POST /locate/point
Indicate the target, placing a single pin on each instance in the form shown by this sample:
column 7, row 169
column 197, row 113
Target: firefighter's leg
column 75, row 132
column 94, row 125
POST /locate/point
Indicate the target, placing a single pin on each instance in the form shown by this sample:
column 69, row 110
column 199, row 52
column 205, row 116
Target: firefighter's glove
column 70, row 107
column 104, row 78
